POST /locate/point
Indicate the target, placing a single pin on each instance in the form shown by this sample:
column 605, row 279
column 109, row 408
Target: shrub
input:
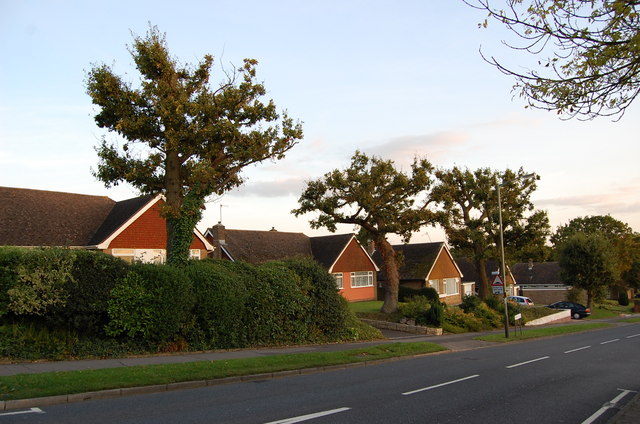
column 153, row 302
column 404, row 293
column 455, row 320
column 94, row 275
column 328, row 310
column 220, row 297
column 623, row 298
column 38, row 281
column 423, row 311
column 470, row 303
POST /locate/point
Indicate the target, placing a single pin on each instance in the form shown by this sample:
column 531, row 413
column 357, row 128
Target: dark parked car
column 577, row 310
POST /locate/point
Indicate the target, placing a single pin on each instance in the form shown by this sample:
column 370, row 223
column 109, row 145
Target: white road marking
column 633, row 335
column 575, row 350
column 309, row 416
column 29, row 411
column 606, row 406
column 610, row 341
column 528, row 362
column 440, row 385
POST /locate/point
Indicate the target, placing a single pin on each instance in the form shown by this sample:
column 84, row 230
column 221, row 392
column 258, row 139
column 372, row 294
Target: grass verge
column 542, row 332
column 25, row 386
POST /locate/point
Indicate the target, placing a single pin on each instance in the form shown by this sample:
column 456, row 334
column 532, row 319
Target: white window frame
column 451, row 286
column 361, row 279
column 194, row 254
column 339, row 280
column 158, row 256
column 435, row 284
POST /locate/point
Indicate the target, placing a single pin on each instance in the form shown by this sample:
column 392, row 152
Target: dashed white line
column 528, row 362
column 308, row 417
column 633, row 335
column 610, row 341
column 606, row 406
column 575, row 350
column 29, row 411
column 440, row 385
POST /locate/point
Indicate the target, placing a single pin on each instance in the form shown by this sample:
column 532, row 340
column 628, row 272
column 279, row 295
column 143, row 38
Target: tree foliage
column 469, row 200
column 181, row 137
column 587, row 53
column 587, row 261
column 625, row 243
column 372, row 194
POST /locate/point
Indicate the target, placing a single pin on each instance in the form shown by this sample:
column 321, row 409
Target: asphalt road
column 577, row 378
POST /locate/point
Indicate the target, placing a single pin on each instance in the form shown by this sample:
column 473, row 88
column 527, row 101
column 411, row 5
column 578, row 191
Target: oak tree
column 180, row 136
column 374, row 195
column 470, row 218
column 585, row 53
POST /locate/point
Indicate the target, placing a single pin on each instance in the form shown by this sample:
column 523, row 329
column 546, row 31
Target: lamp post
column 504, row 267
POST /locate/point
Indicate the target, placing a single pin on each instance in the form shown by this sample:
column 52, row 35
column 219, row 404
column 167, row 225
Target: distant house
column 131, row 229
column 492, row 269
column 341, row 255
column 428, row 265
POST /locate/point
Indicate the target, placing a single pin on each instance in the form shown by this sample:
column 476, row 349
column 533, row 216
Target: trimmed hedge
column 74, row 302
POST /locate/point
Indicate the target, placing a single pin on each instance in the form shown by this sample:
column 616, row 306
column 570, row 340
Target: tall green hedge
column 88, row 298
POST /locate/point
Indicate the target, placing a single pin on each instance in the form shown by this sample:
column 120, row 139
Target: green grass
column 24, row 386
column 609, row 309
column 541, row 332
column 366, row 307
column 631, row 320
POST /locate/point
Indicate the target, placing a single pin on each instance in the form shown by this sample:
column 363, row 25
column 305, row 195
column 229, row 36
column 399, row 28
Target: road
column 579, row 378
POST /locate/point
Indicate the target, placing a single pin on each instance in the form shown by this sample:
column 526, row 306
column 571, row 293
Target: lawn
column 610, row 309
column 542, row 332
column 370, row 307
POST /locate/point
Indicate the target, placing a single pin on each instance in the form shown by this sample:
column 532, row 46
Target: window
column 362, row 279
column 435, row 284
column 338, row 277
column 450, row 286
column 194, row 253
column 155, row 256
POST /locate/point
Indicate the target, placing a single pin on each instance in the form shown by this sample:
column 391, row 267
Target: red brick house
column 131, row 229
column 428, row 265
column 341, row 255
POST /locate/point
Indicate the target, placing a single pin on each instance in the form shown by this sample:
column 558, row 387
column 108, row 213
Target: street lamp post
column 504, row 270
column 504, row 266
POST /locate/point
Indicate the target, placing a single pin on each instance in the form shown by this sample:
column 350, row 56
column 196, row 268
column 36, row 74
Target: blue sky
column 391, row 78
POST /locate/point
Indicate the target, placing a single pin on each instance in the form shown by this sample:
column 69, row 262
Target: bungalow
column 341, row 255
column 428, row 265
column 131, row 229
column 492, row 269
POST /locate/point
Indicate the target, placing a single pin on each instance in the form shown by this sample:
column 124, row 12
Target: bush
column 455, row 320
column 153, row 302
column 94, row 275
column 218, row 315
column 470, row 303
column 423, row 311
column 328, row 311
column 623, row 298
column 405, row 293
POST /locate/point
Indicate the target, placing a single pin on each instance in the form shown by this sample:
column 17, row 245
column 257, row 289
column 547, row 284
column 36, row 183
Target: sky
column 390, row 78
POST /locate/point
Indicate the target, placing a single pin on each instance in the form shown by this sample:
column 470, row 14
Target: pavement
column 629, row 414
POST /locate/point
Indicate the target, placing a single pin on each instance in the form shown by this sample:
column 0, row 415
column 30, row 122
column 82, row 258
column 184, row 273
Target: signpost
column 497, row 286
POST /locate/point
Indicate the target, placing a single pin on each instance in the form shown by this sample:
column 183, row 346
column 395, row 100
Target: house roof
column 262, row 246
column 470, row 273
column 417, row 260
column 327, row 249
column 118, row 216
column 49, row 218
column 541, row 273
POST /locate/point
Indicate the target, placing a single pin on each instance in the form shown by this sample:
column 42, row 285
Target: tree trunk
column 484, row 290
column 174, row 199
column 392, row 282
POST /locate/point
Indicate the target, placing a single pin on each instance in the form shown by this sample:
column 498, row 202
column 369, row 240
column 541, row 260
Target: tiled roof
column 470, row 273
column 542, row 273
column 262, row 246
column 417, row 260
column 48, row 218
column 327, row 249
column 119, row 214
